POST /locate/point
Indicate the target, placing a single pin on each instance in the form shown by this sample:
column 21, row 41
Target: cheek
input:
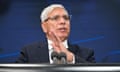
column 51, row 27
column 68, row 26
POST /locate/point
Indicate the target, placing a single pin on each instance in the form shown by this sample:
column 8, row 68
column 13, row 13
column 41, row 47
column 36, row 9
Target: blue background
column 94, row 24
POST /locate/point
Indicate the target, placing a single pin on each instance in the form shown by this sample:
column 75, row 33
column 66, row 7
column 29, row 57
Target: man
column 56, row 25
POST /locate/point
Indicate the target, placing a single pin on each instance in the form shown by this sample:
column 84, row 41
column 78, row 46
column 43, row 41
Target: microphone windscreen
column 63, row 58
column 62, row 55
column 54, row 54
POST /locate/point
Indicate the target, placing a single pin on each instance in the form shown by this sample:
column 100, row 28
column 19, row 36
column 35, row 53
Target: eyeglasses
column 57, row 18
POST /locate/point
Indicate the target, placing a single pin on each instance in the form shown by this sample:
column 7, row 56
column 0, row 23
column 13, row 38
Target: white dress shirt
column 50, row 48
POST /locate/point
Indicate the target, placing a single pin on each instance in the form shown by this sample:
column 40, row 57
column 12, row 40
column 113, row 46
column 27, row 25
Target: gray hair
column 47, row 10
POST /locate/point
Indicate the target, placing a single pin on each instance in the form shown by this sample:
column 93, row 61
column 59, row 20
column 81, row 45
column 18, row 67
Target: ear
column 44, row 27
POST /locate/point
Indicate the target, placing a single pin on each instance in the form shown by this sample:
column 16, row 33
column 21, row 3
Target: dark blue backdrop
column 94, row 24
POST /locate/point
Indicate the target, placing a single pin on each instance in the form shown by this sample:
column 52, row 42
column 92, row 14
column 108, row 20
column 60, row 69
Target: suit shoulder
column 83, row 49
column 32, row 45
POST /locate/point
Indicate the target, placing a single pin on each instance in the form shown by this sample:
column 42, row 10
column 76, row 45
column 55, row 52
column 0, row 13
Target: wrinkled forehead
column 58, row 11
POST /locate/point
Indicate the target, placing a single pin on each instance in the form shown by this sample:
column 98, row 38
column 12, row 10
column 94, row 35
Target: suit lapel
column 44, row 52
column 72, row 48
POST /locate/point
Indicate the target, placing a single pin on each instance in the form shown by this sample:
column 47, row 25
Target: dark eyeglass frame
column 57, row 17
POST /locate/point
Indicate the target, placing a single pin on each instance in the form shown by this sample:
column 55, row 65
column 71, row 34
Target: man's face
column 59, row 21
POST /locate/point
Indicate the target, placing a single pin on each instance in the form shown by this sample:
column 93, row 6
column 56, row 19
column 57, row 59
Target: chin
column 63, row 37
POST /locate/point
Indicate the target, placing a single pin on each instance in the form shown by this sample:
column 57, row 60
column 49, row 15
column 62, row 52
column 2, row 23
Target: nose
column 62, row 20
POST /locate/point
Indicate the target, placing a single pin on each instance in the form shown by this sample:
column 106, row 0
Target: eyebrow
column 58, row 15
column 55, row 16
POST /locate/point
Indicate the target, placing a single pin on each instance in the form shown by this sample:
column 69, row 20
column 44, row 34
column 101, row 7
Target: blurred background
column 95, row 24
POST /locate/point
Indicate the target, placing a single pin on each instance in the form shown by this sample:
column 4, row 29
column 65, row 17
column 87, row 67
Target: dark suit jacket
column 38, row 53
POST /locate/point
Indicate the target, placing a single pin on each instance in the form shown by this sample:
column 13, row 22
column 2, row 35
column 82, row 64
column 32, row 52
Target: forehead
column 58, row 11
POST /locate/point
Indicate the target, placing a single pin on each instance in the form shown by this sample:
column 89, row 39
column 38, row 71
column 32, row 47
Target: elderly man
column 56, row 25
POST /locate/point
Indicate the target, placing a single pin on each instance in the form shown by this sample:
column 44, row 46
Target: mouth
column 62, row 29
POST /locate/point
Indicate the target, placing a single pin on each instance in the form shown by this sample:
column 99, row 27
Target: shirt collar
column 65, row 43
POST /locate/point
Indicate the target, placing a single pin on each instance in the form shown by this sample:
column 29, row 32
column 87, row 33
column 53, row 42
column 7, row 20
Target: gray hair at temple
column 50, row 8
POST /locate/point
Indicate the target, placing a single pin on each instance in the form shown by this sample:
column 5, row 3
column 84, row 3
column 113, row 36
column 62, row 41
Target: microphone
column 63, row 58
column 54, row 57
